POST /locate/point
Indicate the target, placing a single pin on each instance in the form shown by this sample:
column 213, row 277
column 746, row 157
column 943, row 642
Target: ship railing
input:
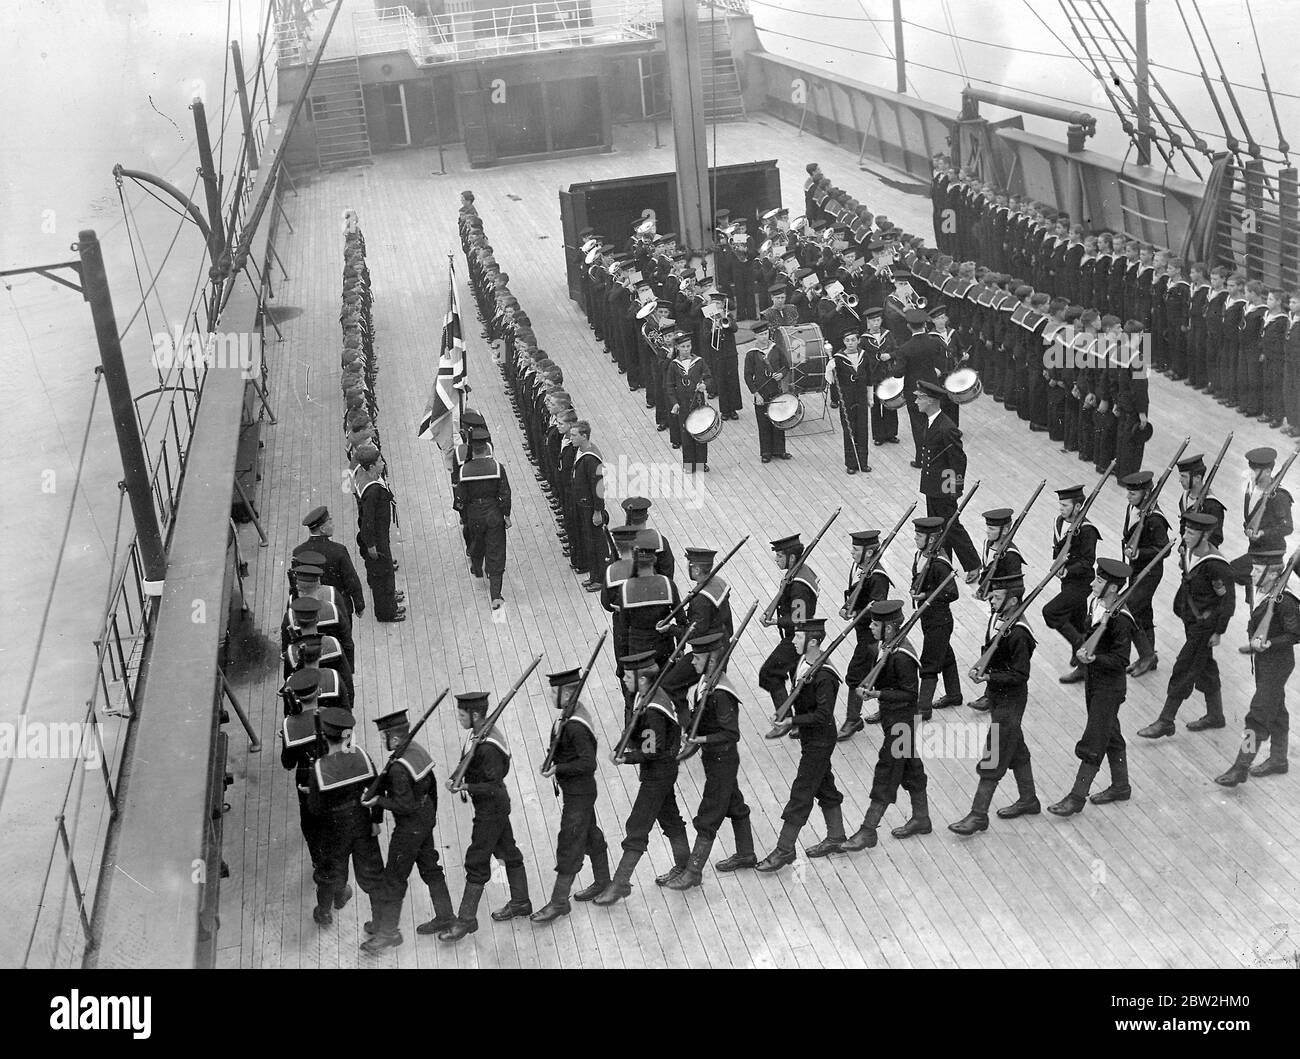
column 60, row 931
column 508, row 30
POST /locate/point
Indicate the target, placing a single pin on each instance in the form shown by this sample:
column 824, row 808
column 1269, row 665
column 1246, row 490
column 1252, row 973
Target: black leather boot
column 1276, row 764
column 919, row 822
column 1162, row 725
column 600, row 873
column 1213, row 714
column 1027, row 803
column 1239, row 771
column 925, row 697
column 621, row 885
column 865, row 836
column 467, row 917
column 978, row 817
column 1119, row 789
column 834, row 840
column 443, row 913
column 693, row 875
column 681, row 847
column 1078, row 797
column 519, row 903
column 784, row 853
column 558, row 905
column 744, row 855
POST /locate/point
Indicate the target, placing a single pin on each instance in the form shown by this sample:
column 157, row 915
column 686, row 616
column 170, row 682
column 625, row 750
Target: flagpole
column 460, row 399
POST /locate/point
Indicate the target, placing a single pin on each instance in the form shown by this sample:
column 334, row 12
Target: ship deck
column 1184, row 874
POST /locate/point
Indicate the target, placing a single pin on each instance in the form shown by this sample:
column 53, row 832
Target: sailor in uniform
column 796, row 603
column 589, row 500
column 1205, row 602
column 1142, row 543
column 302, row 743
column 307, row 645
column 347, row 830
column 573, row 771
column 646, row 599
column 410, row 792
column 943, row 471
column 709, row 611
column 337, row 570
column 1105, row 688
column 636, row 510
column 492, row 835
column 1065, row 612
column 929, row 569
column 375, row 515
column 1196, row 496
column 766, row 367
column 899, row 762
column 654, row 742
column 717, row 734
column 1272, row 652
column 848, row 373
column 689, row 382
column 482, row 495
column 997, row 524
column 879, row 347
column 1008, row 695
column 812, row 720
column 611, row 598
column 308, row 614
column 868, row 583
column 1272, row 512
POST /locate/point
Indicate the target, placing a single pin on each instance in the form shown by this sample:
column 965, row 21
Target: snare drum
column 963, row 386
column 890, row 393
column 801, row 343
column 704, row 424
column 785, row 411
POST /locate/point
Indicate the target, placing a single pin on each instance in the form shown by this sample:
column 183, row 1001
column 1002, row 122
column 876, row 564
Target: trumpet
column 912, row 300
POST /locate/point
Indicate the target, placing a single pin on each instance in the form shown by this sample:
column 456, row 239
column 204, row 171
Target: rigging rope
column 1282, row 145
column 25, row 705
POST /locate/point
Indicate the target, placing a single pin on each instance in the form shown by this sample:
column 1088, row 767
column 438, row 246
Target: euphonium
column 912, row 300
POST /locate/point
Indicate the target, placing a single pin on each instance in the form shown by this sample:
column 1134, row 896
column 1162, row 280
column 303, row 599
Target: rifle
column 457, row 779
column 1089, row 648
column 1270, row 603
column 373, row 790
column 708, row 684
column 789, row 575
column 1000, row 549
column 1214, row 469
column 1063, row 554
column 1148, row 505
column 788, row 706
column 943, row 536
column 981, row 667
column 870, row 680
column 1253, row 523
column 643, row 703
column 664, row 625
column 848, row 607
column 568, row 710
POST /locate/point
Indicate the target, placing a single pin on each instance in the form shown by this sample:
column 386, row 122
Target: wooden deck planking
column 1189, row 869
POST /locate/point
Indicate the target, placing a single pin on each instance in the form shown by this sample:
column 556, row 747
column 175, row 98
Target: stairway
column 722, row 99
column 339, row 114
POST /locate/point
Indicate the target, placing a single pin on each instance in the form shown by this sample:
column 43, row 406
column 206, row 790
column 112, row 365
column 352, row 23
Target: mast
column 899, row 58
column 1143, row 84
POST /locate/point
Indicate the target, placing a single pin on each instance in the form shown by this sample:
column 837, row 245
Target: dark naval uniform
column 301, row 747
column 1008, row 695
column 1105, row 688
column 899, row 763
column 937, row 656
column 410, row 793
column 337, row 571
column 1066, row 611
column 1141, row 545
column 575, row 773
column 1267, row 718
column 722, row 798
column 1205, row 601
column 334, row 793
column 867, row 648
column 850, row 378
column 375, row 505
column 482, row 497
column 761, row 377
column 813, row 718
column 655, row 741
column 943, row 477
column 778, row 668
column 485, row 783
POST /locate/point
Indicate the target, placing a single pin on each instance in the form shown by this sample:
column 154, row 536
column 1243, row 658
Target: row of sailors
column 1222, row 332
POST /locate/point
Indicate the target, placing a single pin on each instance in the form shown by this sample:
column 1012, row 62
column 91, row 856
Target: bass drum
column 801, row 343
column 704, row 424
column 963, row 386
column 785, row 411
column 890, row 393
